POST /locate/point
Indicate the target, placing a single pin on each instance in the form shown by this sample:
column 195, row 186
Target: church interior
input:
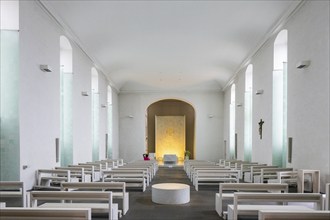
column 166, row 109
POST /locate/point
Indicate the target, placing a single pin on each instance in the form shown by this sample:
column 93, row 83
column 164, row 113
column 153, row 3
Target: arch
column 279, row 116
column 66, row 89
column 170, row 107
column 248, row 113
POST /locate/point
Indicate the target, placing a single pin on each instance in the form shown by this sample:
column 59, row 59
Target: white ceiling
column 169, row 45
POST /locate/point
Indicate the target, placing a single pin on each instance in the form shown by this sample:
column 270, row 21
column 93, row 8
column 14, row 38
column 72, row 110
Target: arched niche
column 171, row 107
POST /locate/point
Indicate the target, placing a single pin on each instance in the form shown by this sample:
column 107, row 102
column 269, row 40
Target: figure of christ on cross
column 261, row 122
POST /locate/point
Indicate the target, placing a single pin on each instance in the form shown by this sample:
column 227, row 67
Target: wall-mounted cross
column 261, row 122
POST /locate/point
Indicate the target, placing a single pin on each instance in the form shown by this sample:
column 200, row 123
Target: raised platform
column 170, row 193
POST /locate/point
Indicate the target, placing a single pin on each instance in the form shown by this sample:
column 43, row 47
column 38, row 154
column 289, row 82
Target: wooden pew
column 90, row 169
column 126, row 173
column 252, row 210
column 315, row 180
column 204, row 177
column 132, row 180
column 327, row 196
column 226, row 192
column 204, row 168
column 118, row 190
column 289, row 177
column 254, row 170
column 77, row 172
column 45, row 213
column 268, row 173
column 293, row 215
column 78, row 199
column 12, row 189
column 51, row 178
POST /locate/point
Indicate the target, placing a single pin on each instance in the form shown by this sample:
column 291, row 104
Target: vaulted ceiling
column 169, row 45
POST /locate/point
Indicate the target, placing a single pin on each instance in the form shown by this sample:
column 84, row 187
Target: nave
column 201, row 205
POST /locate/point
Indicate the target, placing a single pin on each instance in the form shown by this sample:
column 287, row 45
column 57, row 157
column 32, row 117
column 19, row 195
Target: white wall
column 40, row 95
column 308, row 92
column 82, row 110
column 208, row 131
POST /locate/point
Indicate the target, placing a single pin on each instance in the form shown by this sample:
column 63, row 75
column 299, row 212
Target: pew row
column 118, row 190
column 293, row 215
column 266, row 174
column 226, row 192
column 12, row 189
column 45, row 213
column 252, row 210
column 81, row 199
column 52, row 178
column 205, row 177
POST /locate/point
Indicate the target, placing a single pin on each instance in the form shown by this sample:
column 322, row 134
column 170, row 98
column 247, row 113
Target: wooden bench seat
column 126, row 173
column 45, row 213
column 254, row 170
column 268, row 173
column 226, row 192
column 204, row 177
column 118, row 190
column 131, row 182
column 293, row 215
column 51, row 178
column 98, row 202
column 12, row 189
column 262, row 198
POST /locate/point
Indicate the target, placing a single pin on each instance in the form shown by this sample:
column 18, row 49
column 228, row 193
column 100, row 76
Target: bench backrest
column 45, row 213
column 89, row 196
column 113, row 186
column 278, row 197
column 12, row 189
column 293, row 215
column 255, row 187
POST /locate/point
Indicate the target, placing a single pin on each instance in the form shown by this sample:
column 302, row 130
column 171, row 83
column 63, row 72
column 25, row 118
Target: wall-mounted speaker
column 57, row 149
column 290, row 150
column 235, row 145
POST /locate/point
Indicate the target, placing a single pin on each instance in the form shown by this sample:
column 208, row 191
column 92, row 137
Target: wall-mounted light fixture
column 103, row 105
column 85, row 93
column 130, row 116
column 303, row 64
column 210, row 115
column 259, row 92
column 239, row 105
column 45, row 68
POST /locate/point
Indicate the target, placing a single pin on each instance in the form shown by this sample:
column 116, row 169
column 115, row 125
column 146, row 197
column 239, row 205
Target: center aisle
column 201, row 205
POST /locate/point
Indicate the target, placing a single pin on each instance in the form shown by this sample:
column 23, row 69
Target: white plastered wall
column 208, row 131
column 40, row 95
column 308, row 92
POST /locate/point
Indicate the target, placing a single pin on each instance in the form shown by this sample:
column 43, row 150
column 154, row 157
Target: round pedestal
column 170, row 193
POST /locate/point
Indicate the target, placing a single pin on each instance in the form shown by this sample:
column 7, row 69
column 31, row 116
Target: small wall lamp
column 259, row 92
column 85, row 93
column 303, row 64
column 45, row 68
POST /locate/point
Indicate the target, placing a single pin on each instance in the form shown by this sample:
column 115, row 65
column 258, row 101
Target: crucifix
column 260, row 127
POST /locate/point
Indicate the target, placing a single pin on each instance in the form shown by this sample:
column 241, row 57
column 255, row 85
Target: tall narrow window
column 280, row 99
column 95, row 113
column 232, row 117
column 66, row 80
column 109, row 142
column 248, row 114
column 9, row 91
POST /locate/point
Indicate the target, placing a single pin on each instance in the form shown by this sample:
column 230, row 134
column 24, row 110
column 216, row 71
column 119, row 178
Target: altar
column 170, row 158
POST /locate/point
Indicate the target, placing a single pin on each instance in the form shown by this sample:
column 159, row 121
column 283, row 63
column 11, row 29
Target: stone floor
column 201, row 205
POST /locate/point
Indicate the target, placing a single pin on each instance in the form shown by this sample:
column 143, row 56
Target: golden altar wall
column 170, row 135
